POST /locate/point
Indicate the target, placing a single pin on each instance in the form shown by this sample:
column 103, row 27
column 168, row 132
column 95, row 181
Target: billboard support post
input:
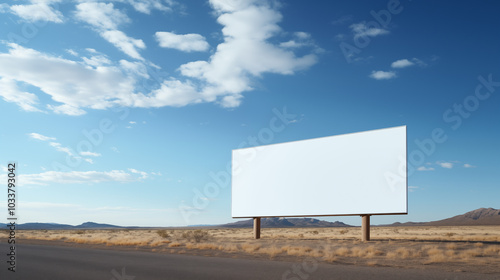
column 256, row 227
column 365, row 227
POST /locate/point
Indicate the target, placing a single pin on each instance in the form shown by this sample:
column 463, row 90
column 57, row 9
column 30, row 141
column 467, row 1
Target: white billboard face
column 330, row 176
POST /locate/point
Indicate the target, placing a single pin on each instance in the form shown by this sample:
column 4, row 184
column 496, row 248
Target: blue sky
column 126, row 111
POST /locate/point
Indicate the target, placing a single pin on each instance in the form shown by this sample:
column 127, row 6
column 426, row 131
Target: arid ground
column 465, row 248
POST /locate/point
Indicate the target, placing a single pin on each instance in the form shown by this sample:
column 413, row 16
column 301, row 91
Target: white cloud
column 146, row 6
column 182, row 42
column 96, row 60
column 466, row 165
column 38, row 11
column 78, row 177
column 66, row 109
column 90, row 154
column 382, row 75
column 402, row 63
column 41, row 137
column 143, row 174
column 362, row 30
column 72, row 52
column 100, row 15
column 10, row 92
column 448, row 165
column 301, row 39
column 59, row 147
column 4, row 8
column 106, row 19
column 135, row 68
column 125, row 43
column 423, row 168
column 69, row 83
column 412, row 188
column 248, row 51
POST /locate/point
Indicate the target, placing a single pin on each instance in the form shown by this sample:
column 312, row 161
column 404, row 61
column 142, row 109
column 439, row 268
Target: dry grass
column 473, row 246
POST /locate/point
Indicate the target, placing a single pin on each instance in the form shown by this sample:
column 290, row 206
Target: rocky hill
column 478, row 217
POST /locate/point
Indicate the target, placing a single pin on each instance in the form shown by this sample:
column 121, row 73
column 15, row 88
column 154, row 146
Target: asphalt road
column 41, row 262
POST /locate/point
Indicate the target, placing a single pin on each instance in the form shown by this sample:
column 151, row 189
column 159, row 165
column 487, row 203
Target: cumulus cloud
column 382, row 75
column 183, row 42
column 100, row 15
column 38, row 11
column 10, row 92
column 402, row 63
column 69, row 83
column 466, row 165
column 248, row 51
column 146, row 6
column 125, row 43
column 362, row 30
column 448, row 165
column 106, row 19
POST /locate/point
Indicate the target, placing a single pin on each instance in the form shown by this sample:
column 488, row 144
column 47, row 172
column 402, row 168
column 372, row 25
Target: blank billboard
column 328, row 176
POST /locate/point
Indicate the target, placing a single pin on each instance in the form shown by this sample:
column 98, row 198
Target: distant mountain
column 286, row 222
column 478, row 217
column 95, row 225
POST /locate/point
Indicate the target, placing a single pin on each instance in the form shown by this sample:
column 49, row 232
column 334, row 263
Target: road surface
column 39, row 262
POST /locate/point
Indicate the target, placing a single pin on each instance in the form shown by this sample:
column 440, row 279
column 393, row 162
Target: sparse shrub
column 472, row 253
column 315, row 232
column 250, row 248
column 163, row 233
column 301, row 235
column 436, row 255
column 196, row 235
column 450, row 234
column 343, row 251
column 344, row 231
column 478, row 245
column 451, row 246
column 492, row 249
column 79, row 232
column 175, row 244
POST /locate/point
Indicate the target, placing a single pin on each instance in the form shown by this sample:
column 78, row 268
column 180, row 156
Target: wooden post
column 365, row 227
column 256, row 227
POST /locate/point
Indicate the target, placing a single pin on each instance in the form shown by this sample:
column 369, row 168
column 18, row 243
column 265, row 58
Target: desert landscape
column 462, row 248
